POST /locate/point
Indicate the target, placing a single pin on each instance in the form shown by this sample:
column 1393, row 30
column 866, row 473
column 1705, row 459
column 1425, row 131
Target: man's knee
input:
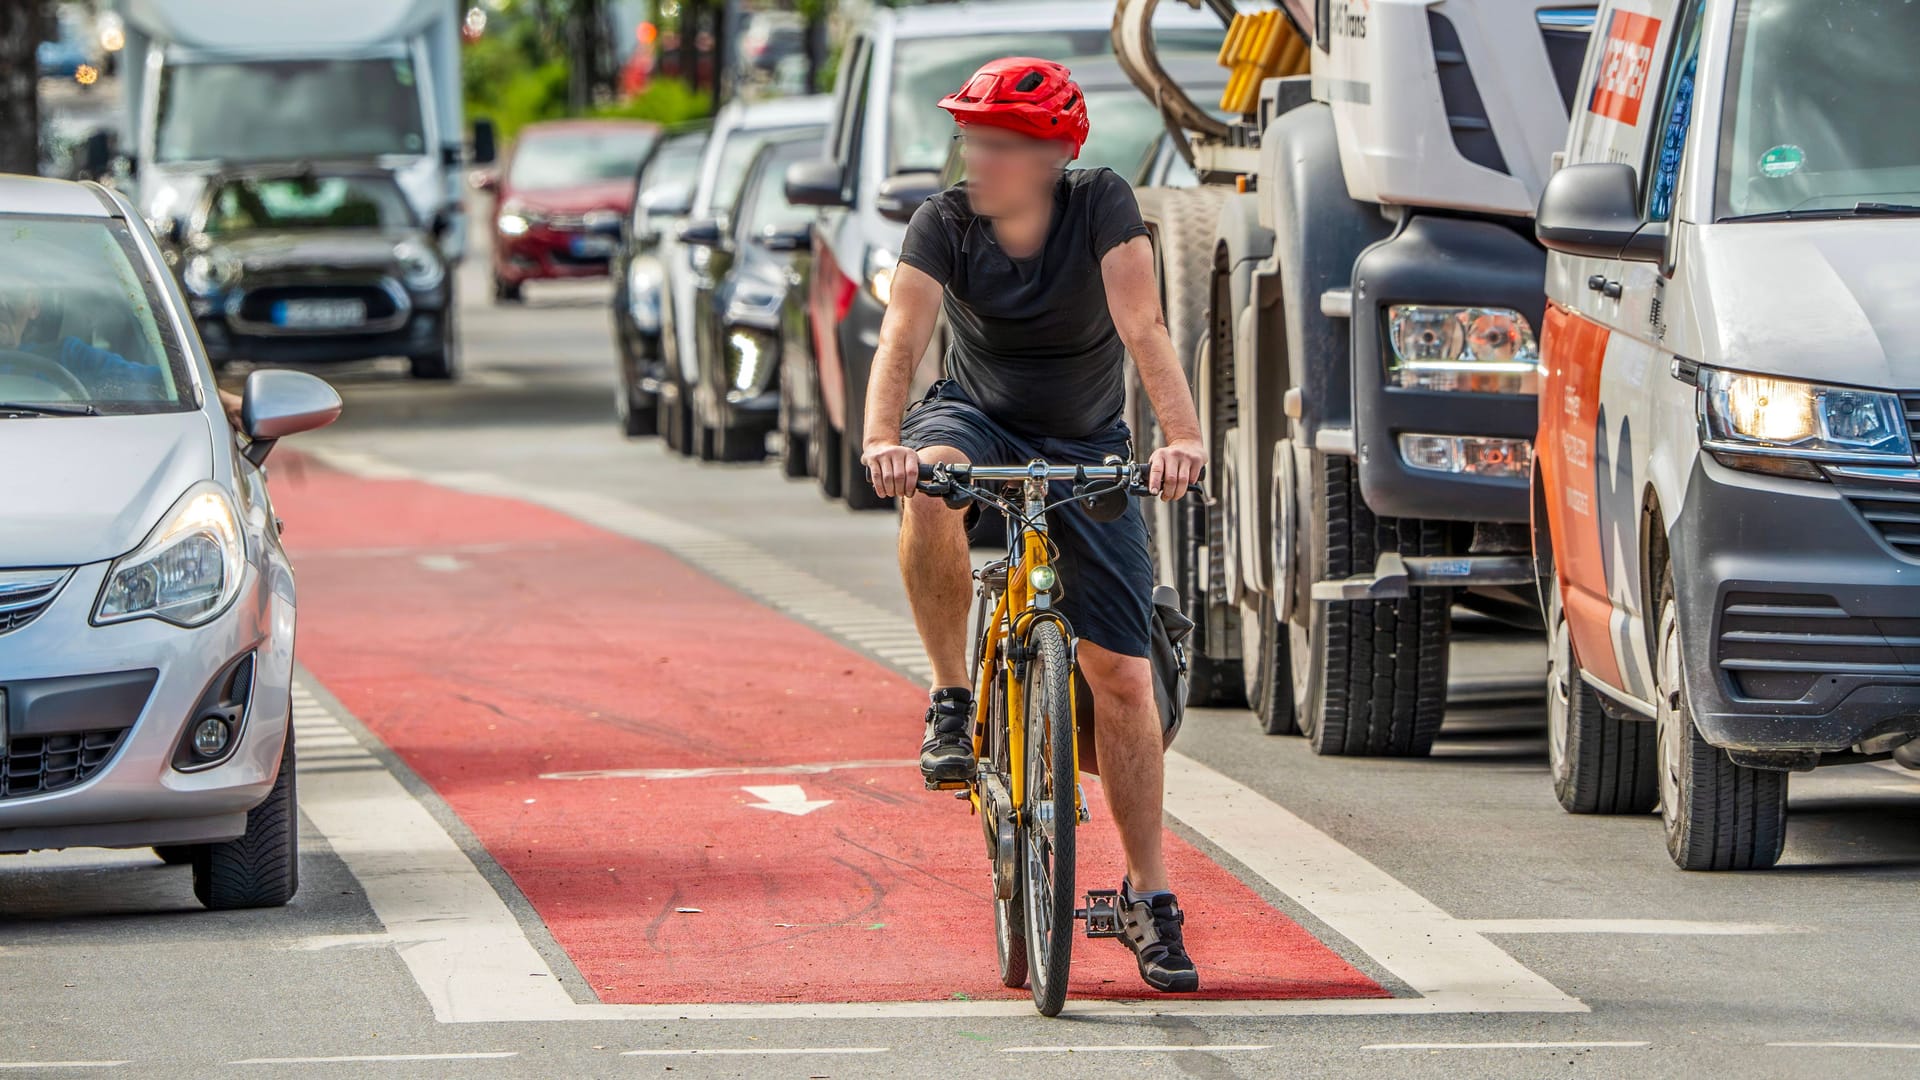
column 1120, row 683
column 920, row 509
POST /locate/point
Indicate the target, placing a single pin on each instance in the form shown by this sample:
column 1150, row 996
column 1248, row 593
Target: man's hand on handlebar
column 895, row 469
column 1174, row 467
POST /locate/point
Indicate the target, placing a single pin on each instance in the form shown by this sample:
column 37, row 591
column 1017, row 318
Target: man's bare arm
column 904, row 332
column 1133, row 299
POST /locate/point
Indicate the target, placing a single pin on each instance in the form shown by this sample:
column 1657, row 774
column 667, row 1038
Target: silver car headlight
column 187, row 570
column 750, row 363
column 420, row 265
column 208, row 272
column 1475, row 349
column 1750, row 419
column 643, row 297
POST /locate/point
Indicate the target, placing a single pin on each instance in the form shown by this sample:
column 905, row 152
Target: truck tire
column 1718, row 815
column 262, row 867
column 1182, row 220
column 1369, row 676
column 1601, row 764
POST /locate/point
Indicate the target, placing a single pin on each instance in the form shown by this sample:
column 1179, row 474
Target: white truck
column 217, row 83
column 1356, row 290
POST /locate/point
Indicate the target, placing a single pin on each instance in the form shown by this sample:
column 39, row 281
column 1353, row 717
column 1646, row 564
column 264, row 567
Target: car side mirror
column 815, row 183
column 899, row 196
column 789, row 238
column 277, row 403
column 485, row 142
column 703, row 232
column 1593, row 210
column 487, row 180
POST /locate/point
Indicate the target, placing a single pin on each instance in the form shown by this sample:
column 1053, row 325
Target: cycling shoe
column 947, row 753
column 1150, row 925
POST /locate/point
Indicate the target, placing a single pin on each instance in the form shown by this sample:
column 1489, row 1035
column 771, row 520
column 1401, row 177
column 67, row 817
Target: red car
column 559, row 199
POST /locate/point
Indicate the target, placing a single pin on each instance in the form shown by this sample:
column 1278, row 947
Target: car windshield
column 1812, row 121
column 770, row 208
column 735, row 155
column 676, row 162
column 570, row 159
column 78, row 323
column 928, row 69
column 281, row 110
column 244, row 204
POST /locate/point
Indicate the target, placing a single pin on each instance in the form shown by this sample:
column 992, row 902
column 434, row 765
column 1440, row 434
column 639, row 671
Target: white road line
column 472, row 960
column 1628, row 926
column 1848, row 1045
column 62, row 1064
column 1440, row 957
column 1133, row 1049
column 757, row 1051
column 727, row 770
column 1506, row 1046
column 347, row 1058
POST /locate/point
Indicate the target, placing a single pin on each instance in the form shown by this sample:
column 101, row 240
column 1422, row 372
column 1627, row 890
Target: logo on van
column 1622, row 81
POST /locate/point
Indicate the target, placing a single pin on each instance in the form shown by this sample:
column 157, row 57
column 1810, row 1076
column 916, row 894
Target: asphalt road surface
column 605, row 767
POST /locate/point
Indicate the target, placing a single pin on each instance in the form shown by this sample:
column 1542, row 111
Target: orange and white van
column 1726, row 494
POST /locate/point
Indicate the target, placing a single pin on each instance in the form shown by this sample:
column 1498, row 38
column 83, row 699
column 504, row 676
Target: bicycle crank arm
column 1102, row 913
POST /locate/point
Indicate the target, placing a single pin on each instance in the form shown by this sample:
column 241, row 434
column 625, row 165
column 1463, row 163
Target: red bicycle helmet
column 1025, row 94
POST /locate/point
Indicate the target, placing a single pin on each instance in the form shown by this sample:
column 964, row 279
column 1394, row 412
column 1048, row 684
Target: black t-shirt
column 1032, row 341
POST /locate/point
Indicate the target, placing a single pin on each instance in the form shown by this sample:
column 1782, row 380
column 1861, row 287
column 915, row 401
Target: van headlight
column 186, row 571
column 1476, row 349
column 420, row 265
column 880, row 267
column 208, row 272
column 1748, row 416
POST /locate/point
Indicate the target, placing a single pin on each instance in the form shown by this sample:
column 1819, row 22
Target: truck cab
column 1727, row 499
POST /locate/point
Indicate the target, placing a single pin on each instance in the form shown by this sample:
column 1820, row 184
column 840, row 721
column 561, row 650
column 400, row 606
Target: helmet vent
column 1030, row 82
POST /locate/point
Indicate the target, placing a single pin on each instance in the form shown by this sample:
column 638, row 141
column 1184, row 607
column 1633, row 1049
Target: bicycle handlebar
column 1133, row 474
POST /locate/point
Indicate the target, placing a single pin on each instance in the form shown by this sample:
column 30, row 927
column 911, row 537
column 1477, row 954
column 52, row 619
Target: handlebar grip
column 926, row 472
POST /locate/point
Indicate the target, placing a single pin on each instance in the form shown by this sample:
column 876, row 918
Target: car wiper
column 9, row 408
column 1864, row 209
column 1892, row 209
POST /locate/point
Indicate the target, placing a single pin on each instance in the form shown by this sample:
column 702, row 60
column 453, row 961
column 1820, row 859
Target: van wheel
column 1601, row 764
column 1718, row 815
column 791, row 444
column 262, row 867
column 1266, row 674
column 854, row 485
column 1369, row 676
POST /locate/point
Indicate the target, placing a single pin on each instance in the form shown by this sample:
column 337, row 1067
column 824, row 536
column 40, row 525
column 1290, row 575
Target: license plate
column 592, row 246
column 319, row 314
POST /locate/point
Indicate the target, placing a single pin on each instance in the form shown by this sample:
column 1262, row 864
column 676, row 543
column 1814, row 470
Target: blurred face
column 18, row 307
column 1008, row 172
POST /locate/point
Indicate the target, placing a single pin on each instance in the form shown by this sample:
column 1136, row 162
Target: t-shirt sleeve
column 1116, row 214
column 928, row 246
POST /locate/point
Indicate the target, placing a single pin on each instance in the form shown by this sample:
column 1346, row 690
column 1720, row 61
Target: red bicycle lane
column 703, row 799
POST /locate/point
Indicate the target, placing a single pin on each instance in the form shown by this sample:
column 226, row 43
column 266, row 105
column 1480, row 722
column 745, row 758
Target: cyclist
column 1046, row 274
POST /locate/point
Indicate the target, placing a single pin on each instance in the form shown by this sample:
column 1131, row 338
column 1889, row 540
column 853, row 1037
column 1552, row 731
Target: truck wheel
column 262, row 867
column 1718, row 815
column 1265, row 673
column 1602, row 764
column 1369, row 676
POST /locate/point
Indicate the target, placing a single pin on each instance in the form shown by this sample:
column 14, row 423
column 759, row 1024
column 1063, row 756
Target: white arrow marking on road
column 785, row 799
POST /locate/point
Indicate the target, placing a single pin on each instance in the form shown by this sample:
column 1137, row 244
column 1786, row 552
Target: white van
column 1726, row 496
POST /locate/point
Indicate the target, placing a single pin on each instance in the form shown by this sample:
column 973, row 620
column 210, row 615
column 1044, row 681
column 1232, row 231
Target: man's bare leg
column 1132, row 772
column 939, row 577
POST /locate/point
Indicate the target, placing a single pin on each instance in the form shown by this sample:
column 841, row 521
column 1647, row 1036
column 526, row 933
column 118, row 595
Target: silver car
column 146, row 605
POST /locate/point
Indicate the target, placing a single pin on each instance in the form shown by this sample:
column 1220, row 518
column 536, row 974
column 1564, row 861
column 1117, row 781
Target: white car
column 146, row 605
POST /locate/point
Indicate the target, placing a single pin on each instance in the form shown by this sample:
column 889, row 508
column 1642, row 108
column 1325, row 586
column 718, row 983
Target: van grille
column 37, row 764
column 1889, row 500
column 24, row 594
column 1775, row 646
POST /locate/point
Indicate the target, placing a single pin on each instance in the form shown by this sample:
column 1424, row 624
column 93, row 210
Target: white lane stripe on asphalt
column 728, row 770
column 1847, row 1045
column 1597, row 1045
column 1123, row 1048
column 757, row 1051
column 1449, row 964
column 1678, row 927
column 477, row 1055
column 63, row 1064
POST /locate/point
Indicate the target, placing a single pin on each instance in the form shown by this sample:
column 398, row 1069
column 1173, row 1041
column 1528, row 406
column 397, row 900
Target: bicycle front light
column 1042, row 578
column 1475, row 349
column 1766, row 424
column 187, row 569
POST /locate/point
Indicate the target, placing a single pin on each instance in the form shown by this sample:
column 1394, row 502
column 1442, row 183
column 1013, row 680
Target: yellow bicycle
column 1026, row 786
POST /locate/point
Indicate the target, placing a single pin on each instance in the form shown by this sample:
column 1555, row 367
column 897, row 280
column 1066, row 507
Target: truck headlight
column 1763, row 423
column 880, row 265
column 420, row 265
column 1476, row 349
column 208, row 272
column 187, row 569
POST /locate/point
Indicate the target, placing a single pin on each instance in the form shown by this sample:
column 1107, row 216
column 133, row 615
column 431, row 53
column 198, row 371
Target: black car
column 321, row 262
column 737, row 396
column 662, row 193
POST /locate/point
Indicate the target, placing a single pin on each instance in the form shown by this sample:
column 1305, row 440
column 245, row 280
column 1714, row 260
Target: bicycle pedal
column 948, row 785
column 1102, row 913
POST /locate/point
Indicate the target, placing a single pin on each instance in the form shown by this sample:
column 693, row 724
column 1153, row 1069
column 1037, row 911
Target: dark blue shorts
column 1106, row 575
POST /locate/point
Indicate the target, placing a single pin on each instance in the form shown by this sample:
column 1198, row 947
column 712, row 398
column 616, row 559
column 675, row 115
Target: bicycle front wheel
column 1050, row 813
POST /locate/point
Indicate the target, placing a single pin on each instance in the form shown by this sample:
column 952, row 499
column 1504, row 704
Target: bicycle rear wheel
column 1049, row 817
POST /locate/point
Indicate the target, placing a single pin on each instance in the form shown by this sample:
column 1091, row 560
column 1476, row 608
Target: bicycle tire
column 1009, row 916
column 1046, row 838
